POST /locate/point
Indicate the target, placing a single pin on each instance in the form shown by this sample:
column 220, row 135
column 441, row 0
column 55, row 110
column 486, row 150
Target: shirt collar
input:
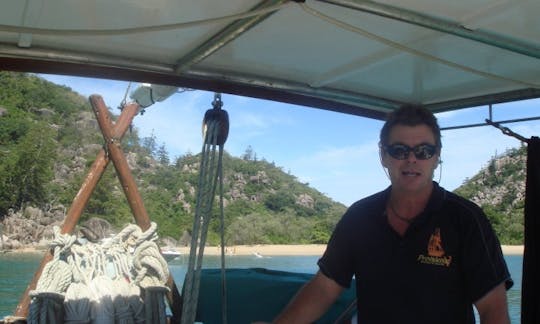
column 434, row 203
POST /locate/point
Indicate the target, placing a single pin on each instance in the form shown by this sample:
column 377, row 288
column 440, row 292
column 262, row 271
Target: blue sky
column 335, row 153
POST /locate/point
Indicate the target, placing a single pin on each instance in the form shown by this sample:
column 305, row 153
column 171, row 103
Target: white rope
column 55, row 278
column 62, row 241
column 101, row 290
column 150, row 267
column 77, row 304
column 100, row 283
column 122, row 310
column 136, row 303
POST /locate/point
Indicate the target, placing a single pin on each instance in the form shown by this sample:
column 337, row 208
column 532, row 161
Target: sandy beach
column 264, row 249
column 512, row 249
column 311, row 249
column 271, row 249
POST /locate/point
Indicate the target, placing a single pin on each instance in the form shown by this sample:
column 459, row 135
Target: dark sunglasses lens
column 424, row 151
column 398, row 151
column 421, row 152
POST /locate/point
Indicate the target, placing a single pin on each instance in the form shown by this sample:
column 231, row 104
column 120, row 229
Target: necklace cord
column 404, row 219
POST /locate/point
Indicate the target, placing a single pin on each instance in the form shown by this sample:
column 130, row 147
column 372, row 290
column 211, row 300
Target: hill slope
column 49, row 138
column 499, row 188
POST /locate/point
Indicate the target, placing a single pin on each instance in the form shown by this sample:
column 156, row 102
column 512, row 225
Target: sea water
column 16, row 271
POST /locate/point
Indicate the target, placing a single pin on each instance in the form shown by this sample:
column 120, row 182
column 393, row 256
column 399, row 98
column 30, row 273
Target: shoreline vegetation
column 266, row 250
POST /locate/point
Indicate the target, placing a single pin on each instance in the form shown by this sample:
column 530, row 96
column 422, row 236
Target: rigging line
column 124, row 100
column 507, row 131
column 224, row 303
column 217, row 104
column 410, row 50
column 209, row 168
column 135, row 30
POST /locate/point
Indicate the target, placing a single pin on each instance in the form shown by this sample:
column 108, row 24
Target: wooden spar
column 135, row 201
column 79, row 202
column 98, row 168
column 112, row 145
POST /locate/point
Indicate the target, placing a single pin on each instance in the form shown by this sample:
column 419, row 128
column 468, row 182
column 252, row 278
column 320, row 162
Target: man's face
column 411, row 174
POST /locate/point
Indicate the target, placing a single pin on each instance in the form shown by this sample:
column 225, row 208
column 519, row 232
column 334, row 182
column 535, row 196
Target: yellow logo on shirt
column 435, row 252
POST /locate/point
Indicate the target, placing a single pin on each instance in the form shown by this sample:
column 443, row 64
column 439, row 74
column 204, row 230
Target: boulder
column 96, row 229
column 168, row 241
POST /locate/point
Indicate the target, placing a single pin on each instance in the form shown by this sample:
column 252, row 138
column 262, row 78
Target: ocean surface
column 16, row 271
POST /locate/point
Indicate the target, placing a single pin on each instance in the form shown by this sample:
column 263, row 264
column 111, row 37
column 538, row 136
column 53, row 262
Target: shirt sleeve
column 483, row 260
column 337, row 260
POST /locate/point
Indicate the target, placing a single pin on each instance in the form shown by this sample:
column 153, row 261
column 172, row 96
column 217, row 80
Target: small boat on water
column 362, row 58
column 170, row 254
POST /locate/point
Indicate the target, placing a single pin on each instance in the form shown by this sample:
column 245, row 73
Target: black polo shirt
column 448, row 258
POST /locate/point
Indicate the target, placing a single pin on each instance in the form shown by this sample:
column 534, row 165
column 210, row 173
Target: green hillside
column 49, row 137
column 499, row 188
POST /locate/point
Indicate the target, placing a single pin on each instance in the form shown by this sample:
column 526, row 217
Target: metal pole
column 444, row 26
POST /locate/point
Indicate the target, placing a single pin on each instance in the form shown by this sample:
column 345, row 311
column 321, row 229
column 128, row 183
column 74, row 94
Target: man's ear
column 382, row 157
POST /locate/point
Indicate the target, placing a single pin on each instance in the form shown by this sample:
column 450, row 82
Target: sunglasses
column 401, row 151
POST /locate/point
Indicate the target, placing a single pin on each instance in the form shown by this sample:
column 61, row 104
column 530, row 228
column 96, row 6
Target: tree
column 108, row 201
column 28, row 169
column 163, row 155
column 279, row 201
column 149, row 143
column 248, row 154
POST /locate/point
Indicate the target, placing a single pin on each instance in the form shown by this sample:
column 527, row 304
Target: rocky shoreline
column 31, row 230
column 30, row 227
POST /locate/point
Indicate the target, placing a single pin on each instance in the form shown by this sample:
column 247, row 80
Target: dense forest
column 49, row 138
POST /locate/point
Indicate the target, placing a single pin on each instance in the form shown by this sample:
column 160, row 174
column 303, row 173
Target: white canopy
column 353, row 56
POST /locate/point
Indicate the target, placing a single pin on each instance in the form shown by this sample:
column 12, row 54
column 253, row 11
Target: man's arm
column 311, row 301
column 493, row 307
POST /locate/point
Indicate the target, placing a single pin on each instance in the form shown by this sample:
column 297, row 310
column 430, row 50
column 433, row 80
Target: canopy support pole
column 507, row 131
column 530, row 286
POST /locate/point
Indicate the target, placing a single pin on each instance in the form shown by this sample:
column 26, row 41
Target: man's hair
column 411, row 115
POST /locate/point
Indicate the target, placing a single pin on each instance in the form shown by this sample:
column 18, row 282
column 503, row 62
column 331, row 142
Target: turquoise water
column 16, row 271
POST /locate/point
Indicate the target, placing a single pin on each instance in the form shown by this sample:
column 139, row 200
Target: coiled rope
column 121, row 280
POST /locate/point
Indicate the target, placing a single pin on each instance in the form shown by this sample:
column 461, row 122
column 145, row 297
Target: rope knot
column 61, row 242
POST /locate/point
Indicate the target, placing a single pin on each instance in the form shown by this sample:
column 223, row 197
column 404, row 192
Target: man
column 419, row 253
